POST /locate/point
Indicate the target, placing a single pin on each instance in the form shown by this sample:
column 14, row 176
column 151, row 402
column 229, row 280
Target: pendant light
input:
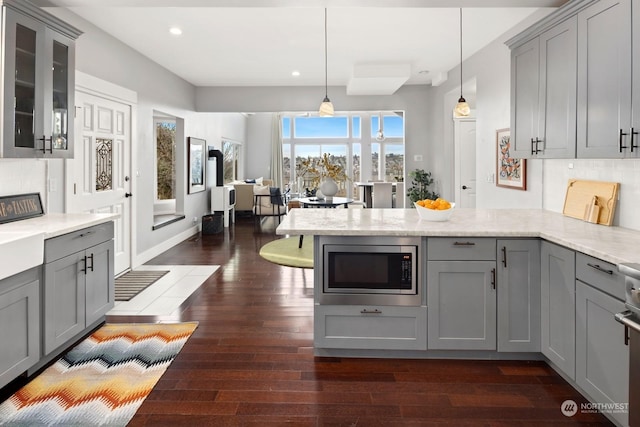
column 326, row 108
column 462, row 108
column 380, row 134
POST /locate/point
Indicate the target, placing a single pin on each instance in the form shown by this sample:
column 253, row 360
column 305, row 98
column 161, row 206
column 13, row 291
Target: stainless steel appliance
column 370, row 270
column 631, row 321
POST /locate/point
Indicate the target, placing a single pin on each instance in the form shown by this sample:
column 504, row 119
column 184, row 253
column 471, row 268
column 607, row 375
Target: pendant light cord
column 460, row 52
column 326, row 72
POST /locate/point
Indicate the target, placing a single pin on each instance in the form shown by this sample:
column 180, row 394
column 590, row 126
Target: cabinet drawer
column 370, row 327
column 67, row 244
column 601, row 275
column 461, row 249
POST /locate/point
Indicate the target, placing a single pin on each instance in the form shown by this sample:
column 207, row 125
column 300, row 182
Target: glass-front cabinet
column 38, row 83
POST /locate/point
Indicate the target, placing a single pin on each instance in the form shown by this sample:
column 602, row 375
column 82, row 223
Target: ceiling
column 374, row 46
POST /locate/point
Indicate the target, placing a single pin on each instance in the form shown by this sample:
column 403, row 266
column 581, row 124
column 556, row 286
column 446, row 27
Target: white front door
column 99, row 178
column 465, row 162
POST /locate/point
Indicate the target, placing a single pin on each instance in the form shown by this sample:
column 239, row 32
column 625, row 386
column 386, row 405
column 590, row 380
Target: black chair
column 268, row 202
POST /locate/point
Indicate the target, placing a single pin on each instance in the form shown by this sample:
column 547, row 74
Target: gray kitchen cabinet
column 543, row 94
column 19, row 323
column 461, row 294
column 38, row 69
column 557, row 307
column 78, row 283
column 525, row 80
column 518, row 281
column 602, row 358
column 370, row 327
column 604, row 81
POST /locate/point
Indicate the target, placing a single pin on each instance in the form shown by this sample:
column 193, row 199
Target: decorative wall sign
column 510, row 172
column 21, row 206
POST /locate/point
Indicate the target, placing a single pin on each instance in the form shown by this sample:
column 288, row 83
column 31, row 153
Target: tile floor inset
column 168, row 293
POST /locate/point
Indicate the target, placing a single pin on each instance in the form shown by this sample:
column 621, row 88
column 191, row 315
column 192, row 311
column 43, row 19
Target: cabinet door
column 525, row 76
column 23, row 82
column 100, row 291
column 64, row 300
column 602, row 358
column 59, row 89
column 519, row 295
column 604, row 79
column 558, row 75
column 19, row 324
column 461, row 301
column 558, row 306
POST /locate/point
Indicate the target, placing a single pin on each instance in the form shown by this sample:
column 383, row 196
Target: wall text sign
column 21, row 206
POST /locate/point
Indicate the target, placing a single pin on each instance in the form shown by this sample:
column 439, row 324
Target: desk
column 314, row 202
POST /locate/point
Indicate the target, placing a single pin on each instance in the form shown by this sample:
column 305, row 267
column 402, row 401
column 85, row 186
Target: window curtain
column 277, row 164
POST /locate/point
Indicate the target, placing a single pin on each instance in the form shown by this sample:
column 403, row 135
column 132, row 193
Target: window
column 231, row 159
column 170, row 173
column 165, row 135
column 346, row 139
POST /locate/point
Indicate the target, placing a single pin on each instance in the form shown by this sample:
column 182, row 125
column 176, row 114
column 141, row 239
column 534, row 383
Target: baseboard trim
column 165, row 245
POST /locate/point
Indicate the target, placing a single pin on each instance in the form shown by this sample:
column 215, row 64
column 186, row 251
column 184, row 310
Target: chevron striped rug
column 101, row 381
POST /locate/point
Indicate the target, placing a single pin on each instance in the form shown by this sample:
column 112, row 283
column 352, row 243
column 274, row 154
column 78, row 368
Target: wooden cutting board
column 579, row 200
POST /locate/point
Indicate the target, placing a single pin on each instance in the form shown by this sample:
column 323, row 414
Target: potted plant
column 420, row 183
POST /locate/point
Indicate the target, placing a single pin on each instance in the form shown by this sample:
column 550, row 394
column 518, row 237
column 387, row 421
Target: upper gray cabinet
column 543, row 94
column 605, row 128
column 584, row 79
column 38, row 68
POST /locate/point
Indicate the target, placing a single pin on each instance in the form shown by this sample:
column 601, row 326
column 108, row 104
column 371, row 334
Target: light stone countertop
column 613, row 244
column 55, row 224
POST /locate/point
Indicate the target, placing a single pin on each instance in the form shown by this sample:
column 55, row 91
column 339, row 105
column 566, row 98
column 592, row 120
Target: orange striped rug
column 101, row 381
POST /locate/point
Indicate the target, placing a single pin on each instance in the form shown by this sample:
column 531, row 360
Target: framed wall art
column 196, row 151
column 510, row 172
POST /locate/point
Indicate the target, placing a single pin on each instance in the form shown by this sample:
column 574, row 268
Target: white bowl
column 433, row 214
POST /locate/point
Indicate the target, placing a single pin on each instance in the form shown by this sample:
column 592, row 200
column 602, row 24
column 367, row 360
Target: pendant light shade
column 326, row 108
column 380, row 134
column 462, row 107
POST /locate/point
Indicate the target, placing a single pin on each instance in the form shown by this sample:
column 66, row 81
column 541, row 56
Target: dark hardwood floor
column 250, row 362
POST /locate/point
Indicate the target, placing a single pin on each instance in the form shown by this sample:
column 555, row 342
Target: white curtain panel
column 276, row 153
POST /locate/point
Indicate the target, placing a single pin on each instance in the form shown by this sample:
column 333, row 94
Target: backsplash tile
column 19, row 176
column 557, row 173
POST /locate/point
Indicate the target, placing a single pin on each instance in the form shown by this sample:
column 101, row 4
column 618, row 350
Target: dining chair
column 382, row 195
column 400, row 197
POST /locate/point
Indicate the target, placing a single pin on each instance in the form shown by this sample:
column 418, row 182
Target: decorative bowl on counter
column 434, row 214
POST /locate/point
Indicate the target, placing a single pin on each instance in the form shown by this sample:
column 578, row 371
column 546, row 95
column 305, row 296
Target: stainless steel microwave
column 356, row 272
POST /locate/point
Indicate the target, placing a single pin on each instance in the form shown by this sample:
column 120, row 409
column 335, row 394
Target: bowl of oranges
column 434, row 210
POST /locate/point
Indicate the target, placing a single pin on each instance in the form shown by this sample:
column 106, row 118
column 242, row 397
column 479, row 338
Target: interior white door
column 99, row 178
column 465, row 162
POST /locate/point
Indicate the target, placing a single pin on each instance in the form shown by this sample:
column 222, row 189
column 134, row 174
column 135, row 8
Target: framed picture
column 196, row 152
column 510, row 172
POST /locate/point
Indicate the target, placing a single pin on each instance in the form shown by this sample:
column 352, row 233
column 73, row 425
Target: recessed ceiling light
column 175, row 31
column 295, row 73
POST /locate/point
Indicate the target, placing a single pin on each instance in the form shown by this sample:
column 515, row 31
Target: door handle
column 620, row 146
column 504, row 256
column 493, row 278
column 633, row 132
column 128, row 195
column 464, row 187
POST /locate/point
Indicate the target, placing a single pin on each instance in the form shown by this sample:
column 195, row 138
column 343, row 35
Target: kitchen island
column 613, row 244
column 490, row 284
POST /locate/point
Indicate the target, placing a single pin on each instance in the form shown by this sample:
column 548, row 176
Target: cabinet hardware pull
column 597, row 267
column 464, row 244
column 626, row 335
column 375, row 311
column 504, row 256
column 633, row 132
column 86, row 234
column 493, row 278
column 532, row 144
column 91, row 266
column 620, row 141
column 84, row 268
column 44, row 145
